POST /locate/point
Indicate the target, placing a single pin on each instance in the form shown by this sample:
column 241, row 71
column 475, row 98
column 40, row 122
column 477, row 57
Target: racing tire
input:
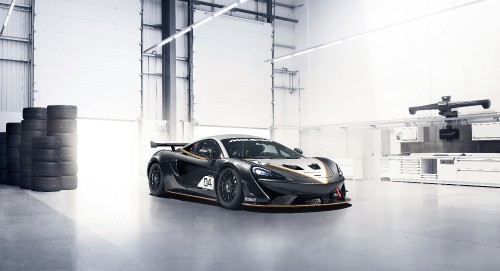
column 3, row 164
column 69, row 154
column 26, row 173
column 27, row 136
column 13, row 166
column 67, row 139
column 3, row 150
column 46, row 142
column 33, row 125
column 68, row 168
column 46, row 184
column 25, row 148
column 46, row 155
column 13, row 128
column 229, row 189
column 3, row 175
column 61, row 126
column 62, row 112
column 46, row 169
column 13, row 178
column 343, row 191
column 69, row 182
column 25, row 183
column 13, row 141
column 35, row 113
column 3, row 137
column 156, row 181
column 12, row 154
column 25, row 160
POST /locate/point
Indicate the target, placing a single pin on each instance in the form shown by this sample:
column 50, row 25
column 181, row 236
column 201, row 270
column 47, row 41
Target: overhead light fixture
column 350, row 38
column 202, row 22
column 305, row 51
column 165, row 41
column 8, row 16
column 329, row 44
column 197, row 24
column 283, row 57
column 182, row 32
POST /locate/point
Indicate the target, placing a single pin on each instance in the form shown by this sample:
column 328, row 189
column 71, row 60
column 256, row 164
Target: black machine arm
column 445, row 106
column 171, row 145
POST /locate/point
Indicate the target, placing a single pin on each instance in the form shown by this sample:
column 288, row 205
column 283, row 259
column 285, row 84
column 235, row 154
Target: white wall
column 87, row 54
column 378, row 77
column 15, row 58
column 232, row 82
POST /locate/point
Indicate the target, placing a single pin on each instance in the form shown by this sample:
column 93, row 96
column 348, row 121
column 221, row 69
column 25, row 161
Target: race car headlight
column 265, row 173
column 340, row 171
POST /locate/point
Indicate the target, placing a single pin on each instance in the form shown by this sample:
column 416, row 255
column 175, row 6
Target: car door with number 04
column 198, row 170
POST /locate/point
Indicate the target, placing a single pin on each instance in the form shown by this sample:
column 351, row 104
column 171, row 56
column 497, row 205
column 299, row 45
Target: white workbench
column 480, row 169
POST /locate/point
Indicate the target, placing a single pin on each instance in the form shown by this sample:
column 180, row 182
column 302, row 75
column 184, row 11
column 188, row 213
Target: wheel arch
column 151, row 162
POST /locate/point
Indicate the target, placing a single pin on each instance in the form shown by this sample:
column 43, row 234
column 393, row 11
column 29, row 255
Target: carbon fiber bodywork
column 182, row 171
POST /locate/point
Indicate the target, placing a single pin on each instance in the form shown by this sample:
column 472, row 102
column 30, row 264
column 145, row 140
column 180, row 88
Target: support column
column 269, row 11
column 190, row 60
column 169, row 100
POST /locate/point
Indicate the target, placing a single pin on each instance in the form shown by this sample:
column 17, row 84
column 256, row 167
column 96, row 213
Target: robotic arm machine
column 445, row 107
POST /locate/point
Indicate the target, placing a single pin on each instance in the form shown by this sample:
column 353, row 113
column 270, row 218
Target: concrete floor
column 390, row 226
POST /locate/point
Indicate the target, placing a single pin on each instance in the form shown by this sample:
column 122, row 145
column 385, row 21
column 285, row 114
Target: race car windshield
column 257, row 148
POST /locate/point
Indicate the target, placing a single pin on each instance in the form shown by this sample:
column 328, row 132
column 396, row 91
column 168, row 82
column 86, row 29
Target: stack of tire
column 33, row 125
column 45, row 166
column 13, row 139
column 3, row 158
column 61, row 123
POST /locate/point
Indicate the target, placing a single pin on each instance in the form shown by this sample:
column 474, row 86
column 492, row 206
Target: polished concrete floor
column 390, row 226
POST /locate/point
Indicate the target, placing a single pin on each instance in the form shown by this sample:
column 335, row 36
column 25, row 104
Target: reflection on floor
column 390, row 226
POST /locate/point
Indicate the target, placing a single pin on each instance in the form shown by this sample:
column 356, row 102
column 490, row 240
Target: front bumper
column 286, row 187
column 300, row 205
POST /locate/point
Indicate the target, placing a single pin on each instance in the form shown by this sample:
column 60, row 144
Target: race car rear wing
column 171, row 145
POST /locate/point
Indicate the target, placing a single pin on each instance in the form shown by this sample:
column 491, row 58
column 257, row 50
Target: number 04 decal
column 207, row 182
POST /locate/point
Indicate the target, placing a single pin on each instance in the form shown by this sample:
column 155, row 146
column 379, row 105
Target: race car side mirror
column 207, row 153
column 298, row 150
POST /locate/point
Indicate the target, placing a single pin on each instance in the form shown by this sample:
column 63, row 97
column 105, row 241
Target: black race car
column 241, row 170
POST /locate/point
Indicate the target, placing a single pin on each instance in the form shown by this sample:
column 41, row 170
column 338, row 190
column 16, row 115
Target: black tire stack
column 33, row 125
column 45, row 166
column 3, row 158
column 13, row 139
column 62, row 123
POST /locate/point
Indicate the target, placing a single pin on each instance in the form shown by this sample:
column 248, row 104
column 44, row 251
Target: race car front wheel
column 155, row 180
column 229, row 189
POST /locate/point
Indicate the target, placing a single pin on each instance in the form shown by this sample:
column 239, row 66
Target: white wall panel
column 14, row 86
column 232, row 83
column 87, row 53
column 379, row 76
column 15, row 68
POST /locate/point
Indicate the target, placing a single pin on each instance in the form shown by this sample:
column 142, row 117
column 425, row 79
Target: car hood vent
column 294, row 167
column 314, row 166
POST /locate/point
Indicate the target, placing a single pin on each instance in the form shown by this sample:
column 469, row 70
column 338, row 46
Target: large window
column 201, row 148
column 257, row 148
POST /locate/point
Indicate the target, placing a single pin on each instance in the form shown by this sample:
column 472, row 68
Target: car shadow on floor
column 263, row 209
column 292, row 210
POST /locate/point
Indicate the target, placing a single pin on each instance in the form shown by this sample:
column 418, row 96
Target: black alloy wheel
column 229, row 190
column 155, row 179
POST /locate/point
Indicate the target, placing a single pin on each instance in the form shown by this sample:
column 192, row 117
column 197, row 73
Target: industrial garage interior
column 398, row 101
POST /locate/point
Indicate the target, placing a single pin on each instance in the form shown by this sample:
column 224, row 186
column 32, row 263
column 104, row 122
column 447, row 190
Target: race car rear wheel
column 229, row 189
column 155, row 180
